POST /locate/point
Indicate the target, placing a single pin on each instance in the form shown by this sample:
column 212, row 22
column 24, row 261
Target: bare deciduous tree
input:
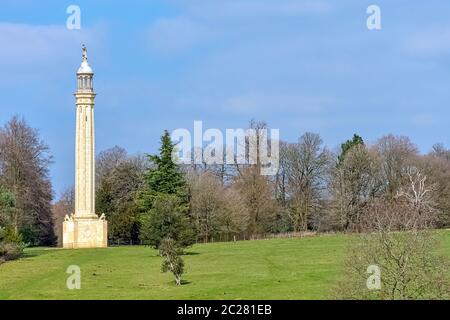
column 64, row 206
column 107, row 160
column 418, row 194
column 395, row 154
column 438, row 172
column 306, row 165
column 399, row 242
column 258, row 194
column 24, row 170
column 206, row 203
column 121, row 178
column 354, row 183
column 219, row 211
column 439, row 151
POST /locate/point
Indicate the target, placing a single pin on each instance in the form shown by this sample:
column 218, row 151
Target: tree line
column 315, row 188
column 374, row 190
column 25, row 189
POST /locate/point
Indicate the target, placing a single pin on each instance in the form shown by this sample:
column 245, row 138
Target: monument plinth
column 84, row 229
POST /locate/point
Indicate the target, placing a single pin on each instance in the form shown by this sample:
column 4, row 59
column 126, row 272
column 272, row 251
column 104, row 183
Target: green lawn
column 302, row 268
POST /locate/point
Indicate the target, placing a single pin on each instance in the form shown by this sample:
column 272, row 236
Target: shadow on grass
column 34, row 253
column 156, row 255
column 183, row 283
column 190, row 253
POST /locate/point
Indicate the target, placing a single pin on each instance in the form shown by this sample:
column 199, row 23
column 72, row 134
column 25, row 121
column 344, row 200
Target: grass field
column 301, row 268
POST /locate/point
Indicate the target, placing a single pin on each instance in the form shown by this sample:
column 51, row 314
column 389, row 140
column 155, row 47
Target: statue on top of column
column 84, row 52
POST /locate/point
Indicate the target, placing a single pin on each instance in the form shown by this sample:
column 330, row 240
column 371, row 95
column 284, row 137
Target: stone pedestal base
column 89, row 232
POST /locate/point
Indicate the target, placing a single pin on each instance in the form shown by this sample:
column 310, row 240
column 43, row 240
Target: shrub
column 172, row 261
column 10, row 251
column 11, row 245
column 400, row 244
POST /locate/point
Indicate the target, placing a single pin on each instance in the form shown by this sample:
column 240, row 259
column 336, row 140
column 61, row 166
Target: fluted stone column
column 85, row 156
column 84, row 229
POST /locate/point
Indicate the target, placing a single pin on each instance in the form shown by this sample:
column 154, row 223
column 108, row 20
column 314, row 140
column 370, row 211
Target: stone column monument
column 84, row 229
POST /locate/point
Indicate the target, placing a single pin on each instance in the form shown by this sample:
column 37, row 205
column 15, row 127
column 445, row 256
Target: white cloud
column 200, row 22
column 254, row 103
column 175, row 35
column 274, row 102
column 422, row 119
column 432, row 41
column 34, row 49
column 214, row 9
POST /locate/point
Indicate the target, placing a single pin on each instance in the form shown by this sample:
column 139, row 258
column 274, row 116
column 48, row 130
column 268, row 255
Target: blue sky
column 300, row 65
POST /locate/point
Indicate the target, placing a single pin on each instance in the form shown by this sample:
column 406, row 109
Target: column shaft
column 85, row 156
